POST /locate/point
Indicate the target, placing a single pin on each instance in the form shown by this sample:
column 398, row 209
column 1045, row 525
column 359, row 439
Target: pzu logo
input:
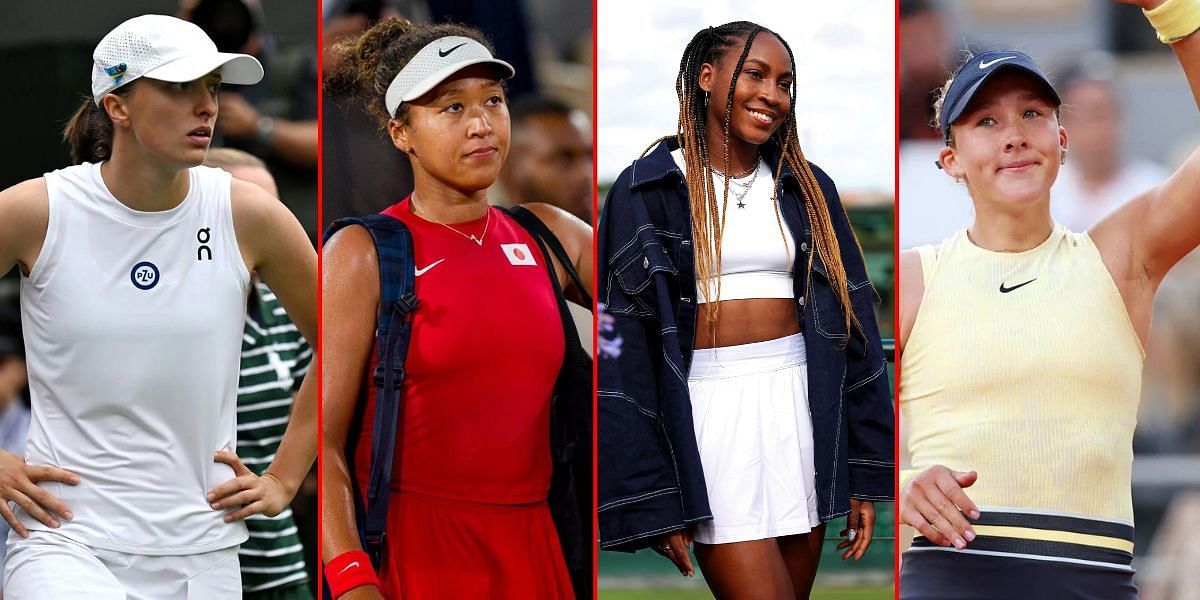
column 203, row 236
column 144, row 275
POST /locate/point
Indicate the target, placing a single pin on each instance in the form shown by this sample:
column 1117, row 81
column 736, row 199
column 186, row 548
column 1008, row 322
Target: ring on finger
column 665, row 548
column 853, row 534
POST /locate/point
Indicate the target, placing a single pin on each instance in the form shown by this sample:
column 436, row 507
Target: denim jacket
column 649, row 473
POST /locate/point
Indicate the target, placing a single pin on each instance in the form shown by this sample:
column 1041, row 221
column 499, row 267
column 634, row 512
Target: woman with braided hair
column 748, row 403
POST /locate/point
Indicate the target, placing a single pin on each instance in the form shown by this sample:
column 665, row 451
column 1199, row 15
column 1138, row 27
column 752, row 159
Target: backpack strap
column 397, row 301
column 570, row 495
column 526, row 219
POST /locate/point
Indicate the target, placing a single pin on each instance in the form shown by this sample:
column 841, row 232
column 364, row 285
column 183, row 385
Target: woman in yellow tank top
column 1022, row 348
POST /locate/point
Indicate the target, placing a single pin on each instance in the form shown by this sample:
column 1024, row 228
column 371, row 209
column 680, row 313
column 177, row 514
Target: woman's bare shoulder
column 24, row 213
column 29, row 196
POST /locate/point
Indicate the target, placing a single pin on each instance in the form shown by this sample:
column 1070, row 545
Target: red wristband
column 348, row 571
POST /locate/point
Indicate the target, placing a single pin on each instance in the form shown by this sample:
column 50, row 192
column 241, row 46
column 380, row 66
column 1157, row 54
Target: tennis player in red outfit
column 468, row 516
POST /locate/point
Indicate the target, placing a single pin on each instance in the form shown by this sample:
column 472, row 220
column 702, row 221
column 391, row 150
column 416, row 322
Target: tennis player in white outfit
column 135, row 267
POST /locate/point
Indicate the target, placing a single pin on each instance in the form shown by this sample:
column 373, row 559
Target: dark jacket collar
column 658, row 163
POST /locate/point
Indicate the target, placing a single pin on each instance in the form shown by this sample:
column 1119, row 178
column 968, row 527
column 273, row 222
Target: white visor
column 435, row 63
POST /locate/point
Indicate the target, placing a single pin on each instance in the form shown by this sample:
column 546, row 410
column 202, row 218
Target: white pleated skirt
column 754, row 429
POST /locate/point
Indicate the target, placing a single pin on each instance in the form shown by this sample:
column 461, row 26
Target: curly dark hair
column 370, row 61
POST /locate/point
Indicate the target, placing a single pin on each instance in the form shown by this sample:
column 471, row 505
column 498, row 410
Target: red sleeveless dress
column 468, row 516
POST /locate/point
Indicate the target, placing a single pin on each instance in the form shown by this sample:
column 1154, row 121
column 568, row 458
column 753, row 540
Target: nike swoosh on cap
column 445, row 53
column 420, row 272
column 987, row 63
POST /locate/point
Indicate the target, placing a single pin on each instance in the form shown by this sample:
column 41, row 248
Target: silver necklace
column 477, row 240
column 738, row 197
column 746, row 173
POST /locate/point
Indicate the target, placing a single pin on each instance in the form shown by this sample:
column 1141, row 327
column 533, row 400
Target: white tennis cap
column 436, row 62
column 167, row 49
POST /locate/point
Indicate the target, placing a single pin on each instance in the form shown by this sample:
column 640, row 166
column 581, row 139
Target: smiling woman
column 727, row 423
column 135, row 269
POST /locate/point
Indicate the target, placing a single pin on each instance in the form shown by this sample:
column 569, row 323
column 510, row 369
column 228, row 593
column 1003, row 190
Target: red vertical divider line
column 595, row 301
column 896, row 275
column 320, row 295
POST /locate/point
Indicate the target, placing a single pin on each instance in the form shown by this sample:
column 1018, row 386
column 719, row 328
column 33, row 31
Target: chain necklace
column 477, row 240
column 746, row 173
column 738, row 197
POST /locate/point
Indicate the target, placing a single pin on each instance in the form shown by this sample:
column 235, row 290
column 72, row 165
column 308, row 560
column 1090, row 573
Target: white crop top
column 754, row 255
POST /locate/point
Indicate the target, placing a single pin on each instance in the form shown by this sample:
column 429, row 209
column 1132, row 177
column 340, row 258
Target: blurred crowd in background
column 1131, row 120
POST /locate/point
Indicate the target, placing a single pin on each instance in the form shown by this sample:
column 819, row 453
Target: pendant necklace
column 740, row 196
column 477, row 240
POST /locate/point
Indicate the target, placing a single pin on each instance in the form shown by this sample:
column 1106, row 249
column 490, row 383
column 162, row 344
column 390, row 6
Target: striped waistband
column 1046, row 536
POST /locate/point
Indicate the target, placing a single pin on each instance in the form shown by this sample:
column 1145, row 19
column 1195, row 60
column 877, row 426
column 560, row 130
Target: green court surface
column 829, row 593
column 645, row 569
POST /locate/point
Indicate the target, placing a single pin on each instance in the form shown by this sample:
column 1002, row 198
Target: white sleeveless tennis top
column 133, row 327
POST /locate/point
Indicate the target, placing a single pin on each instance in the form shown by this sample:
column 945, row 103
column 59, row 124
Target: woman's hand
column 255, row 495
column 675, row 546
column 933, row 502
column 18, row 483
column 860, row 525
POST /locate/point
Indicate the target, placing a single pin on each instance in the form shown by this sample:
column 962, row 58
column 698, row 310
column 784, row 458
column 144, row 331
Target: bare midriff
column 747, row 321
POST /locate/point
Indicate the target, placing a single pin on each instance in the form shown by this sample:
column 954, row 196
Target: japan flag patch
column 518, row 254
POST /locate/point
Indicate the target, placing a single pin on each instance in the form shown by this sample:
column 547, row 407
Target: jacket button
column 804, row 246
column 645, row 263
column 801, row 301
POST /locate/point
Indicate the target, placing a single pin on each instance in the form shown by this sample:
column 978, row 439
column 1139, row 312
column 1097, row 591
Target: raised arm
column 1143, row 239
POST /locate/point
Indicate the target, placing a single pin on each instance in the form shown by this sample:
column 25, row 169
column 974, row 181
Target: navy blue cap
column 975, row 72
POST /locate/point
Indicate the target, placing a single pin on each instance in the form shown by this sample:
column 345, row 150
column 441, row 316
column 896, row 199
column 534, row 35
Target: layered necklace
column 740, row 188
column 424, row 213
